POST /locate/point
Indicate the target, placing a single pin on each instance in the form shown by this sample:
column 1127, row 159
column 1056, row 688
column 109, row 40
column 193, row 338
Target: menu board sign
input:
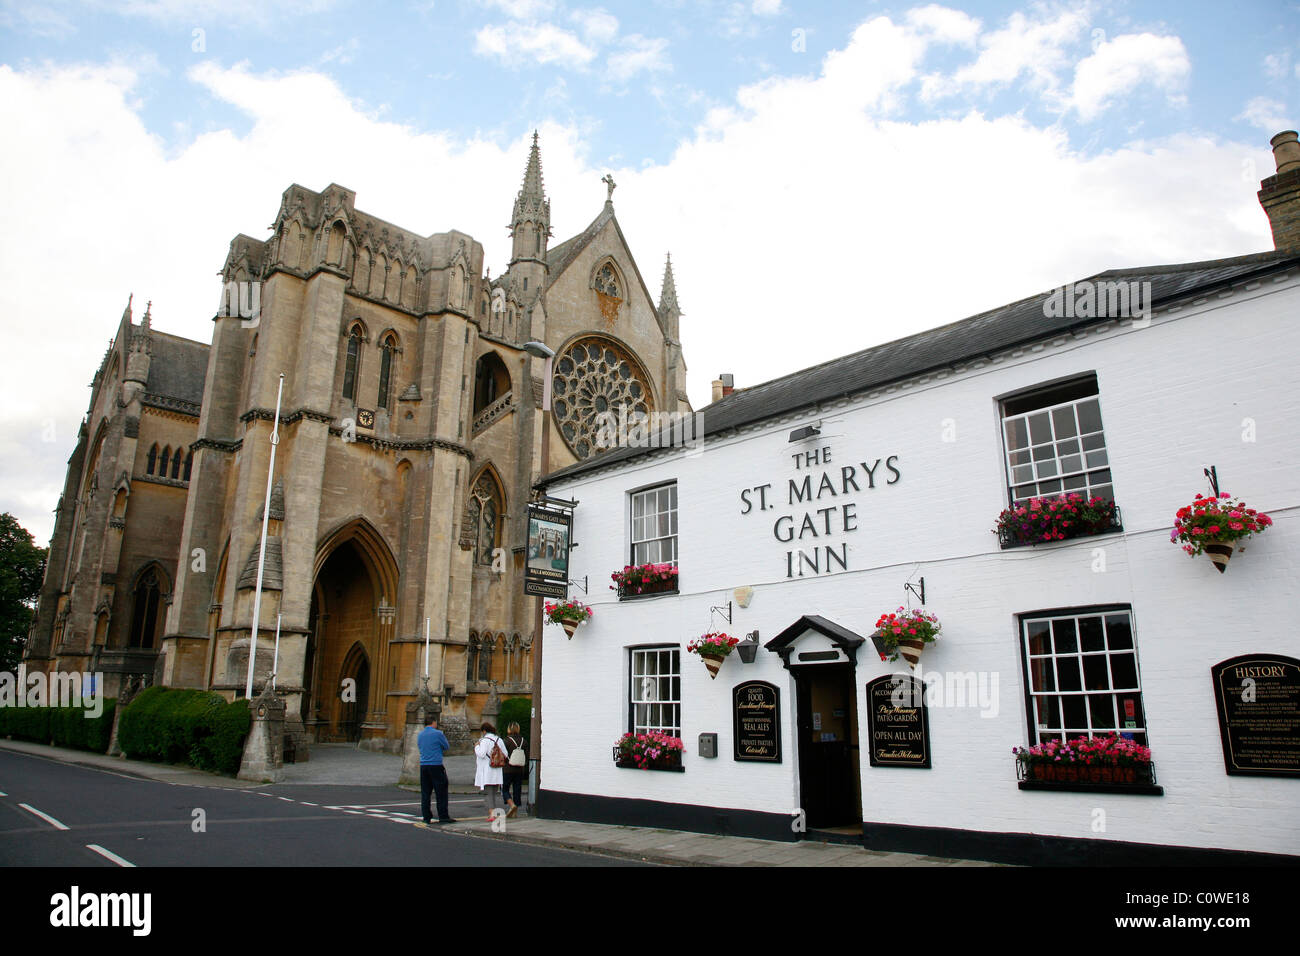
column 756, row 721
column 899, row 725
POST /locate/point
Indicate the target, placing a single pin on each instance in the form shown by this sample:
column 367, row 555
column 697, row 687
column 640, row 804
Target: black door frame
column 811, row 775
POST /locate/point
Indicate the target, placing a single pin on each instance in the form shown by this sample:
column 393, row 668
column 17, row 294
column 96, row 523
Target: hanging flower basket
column 1213, row 526
column 567, row 614
column 713, row 649
column 904, row 634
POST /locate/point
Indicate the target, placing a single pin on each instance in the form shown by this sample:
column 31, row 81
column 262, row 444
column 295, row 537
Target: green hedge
column 517, row 709
column 62, row 726
column 185, row 726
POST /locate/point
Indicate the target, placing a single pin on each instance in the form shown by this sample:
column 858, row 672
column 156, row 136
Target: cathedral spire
column 530, row 226
column 126, row 313
column 668, row 294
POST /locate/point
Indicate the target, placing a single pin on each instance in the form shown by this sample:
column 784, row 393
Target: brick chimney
column 723, row 386
column 1280, row 193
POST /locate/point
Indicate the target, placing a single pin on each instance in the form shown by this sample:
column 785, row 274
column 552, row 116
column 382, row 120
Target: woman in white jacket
column 487, row 777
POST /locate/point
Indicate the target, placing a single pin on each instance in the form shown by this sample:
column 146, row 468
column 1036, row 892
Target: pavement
column 338, row 767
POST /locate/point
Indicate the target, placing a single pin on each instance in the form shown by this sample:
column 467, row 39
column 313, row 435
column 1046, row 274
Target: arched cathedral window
column 146, row 610
column 162, row 462
column 151, row 460
column 485, row 656
column 189, row 463
column 176, row 464
column 386, row 370
column 607, row 281
column 484, row 513
column 471, row 657
column 352, row 368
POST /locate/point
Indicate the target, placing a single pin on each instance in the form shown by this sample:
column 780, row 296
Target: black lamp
column 748, row 648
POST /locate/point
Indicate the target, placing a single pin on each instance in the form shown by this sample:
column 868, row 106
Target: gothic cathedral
column 410, row 435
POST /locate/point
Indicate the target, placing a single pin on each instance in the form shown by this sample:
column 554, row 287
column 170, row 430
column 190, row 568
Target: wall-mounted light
column 748, row 648
column 808, row 431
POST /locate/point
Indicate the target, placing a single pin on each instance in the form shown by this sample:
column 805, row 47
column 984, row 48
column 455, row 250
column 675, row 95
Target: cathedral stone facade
column 409, row 439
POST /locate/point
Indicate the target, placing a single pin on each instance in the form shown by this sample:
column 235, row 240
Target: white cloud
column 944, row 24
column 766, row 8
column 1032, row 47
column 598, row 26
column 637, row 54
column 521, row 9
column 538, row 43
column 848, row 212
column 1267, row 114
column 1121, row 65
column 1278, row 65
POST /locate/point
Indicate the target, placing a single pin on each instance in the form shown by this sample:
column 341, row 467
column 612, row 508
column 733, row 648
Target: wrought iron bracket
column 721, row 612
column 1213, row 474
column 579, row 584
column 918, row 594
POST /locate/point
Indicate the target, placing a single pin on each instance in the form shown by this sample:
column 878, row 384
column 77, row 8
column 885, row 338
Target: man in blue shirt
column 433, row 775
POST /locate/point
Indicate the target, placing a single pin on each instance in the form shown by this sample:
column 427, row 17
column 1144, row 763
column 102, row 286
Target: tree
column 22, row 566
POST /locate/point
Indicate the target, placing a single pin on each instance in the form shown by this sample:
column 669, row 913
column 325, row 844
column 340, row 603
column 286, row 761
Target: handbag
column 498, row 757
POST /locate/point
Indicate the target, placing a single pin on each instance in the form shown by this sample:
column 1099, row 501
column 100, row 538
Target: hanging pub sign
column 899, row 725
column 546, row 572
column 1258, row 699
column 756, row 721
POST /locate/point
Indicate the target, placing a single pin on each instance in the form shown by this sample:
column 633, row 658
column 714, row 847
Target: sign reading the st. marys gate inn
column 756, row 721
column 1258, row 697
column 818, row 507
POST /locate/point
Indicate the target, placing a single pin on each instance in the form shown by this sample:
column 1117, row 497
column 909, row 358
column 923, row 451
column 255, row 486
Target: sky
column 827, row 176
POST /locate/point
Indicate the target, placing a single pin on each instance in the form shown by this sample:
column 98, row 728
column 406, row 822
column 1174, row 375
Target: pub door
column 828, row 746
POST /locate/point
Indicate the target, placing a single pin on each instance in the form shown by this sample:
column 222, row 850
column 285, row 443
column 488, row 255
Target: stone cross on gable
column 608, row 180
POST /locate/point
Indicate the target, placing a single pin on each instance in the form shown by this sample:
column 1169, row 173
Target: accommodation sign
column 546, row 572
column 756, row 721
column 1258, row 698
column 816, row 507
column 898, row 723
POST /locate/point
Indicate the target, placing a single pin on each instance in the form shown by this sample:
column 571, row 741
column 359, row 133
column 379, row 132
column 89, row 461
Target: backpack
column 498, row 757
column 517, row 756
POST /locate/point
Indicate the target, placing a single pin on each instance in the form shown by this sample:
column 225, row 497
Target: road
column 56, row 814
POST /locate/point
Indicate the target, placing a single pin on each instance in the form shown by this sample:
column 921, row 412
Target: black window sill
column 632, row 766
column 1011, row 546
column 1142, row 790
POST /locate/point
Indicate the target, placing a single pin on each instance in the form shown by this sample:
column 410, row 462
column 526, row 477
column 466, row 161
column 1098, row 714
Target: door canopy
column 814, row 640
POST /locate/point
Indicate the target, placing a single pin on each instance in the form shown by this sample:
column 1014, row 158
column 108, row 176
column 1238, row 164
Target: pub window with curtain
column 655, row 690
column 654, row 525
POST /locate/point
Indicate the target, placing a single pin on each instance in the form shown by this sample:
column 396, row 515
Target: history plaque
column 756, row 721
column 898, row 721
column 1258, row 698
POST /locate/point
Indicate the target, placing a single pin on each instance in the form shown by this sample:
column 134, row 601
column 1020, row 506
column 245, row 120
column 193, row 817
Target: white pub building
column 820, row 501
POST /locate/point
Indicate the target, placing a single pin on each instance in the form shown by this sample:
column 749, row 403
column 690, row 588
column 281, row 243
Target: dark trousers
column 510, row 786
column 433, row 779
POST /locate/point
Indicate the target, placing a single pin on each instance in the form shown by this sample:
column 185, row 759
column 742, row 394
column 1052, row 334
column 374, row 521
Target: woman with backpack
column 515, row 768
column 491, row 757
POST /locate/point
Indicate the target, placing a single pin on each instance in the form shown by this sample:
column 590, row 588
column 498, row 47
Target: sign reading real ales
column 1258, row 697
column 756, row 721
column 898, row 721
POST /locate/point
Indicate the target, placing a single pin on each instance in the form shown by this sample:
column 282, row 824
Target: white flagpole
column 261, row 554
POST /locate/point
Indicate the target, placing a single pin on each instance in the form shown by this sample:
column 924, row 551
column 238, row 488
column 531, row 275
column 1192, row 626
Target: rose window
column 593, row 380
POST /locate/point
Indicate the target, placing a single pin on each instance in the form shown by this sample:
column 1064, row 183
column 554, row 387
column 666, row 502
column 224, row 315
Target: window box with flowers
column 652, row 750
column 644, row 580
column 1056, row 518
column 1100, row 764
column 1213, row 526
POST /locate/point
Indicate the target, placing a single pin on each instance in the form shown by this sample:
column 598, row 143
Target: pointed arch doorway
column 346, row 669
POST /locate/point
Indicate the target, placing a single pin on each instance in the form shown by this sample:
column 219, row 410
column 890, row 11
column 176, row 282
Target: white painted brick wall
column 1173, row 399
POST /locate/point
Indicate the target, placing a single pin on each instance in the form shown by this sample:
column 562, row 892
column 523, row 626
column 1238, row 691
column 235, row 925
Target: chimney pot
column 717, row 390
column 1286, row 150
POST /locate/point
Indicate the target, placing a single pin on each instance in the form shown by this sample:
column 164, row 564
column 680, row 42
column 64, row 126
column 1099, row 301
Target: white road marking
column 44, row 816
column 3, row 794
column 285, row 799
column 109, row 855
column 306, row 804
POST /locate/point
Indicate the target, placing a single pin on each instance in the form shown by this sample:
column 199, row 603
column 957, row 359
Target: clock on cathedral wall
column 596, row 385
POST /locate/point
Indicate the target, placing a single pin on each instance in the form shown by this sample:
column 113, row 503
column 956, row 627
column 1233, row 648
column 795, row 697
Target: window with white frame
column 654, row 525
column 1082, row 675
column 1054, row 443
column 655, row 690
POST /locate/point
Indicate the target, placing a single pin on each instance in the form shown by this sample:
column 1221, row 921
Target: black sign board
column 898, row 721
column 756, row 721
column 1258, row 699
column 546, row 571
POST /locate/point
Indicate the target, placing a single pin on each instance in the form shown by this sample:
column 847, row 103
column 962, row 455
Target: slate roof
column 178, row 367
column 988, row 332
